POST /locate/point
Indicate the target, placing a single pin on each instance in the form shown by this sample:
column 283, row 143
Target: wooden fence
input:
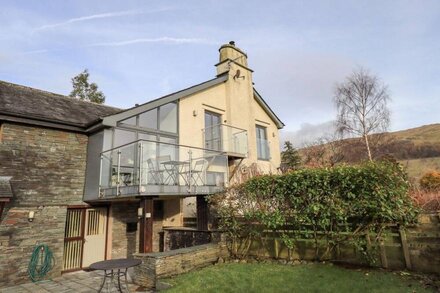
column 414, row 248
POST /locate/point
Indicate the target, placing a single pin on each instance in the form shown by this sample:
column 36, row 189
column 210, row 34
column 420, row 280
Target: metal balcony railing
column 226, row 138
column 149, row 167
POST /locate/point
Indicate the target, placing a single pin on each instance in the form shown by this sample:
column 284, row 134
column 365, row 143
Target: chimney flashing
column 235, row 62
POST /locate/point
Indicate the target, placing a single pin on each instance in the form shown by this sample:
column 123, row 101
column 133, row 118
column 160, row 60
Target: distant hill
column 418, row 149
column 426, row 134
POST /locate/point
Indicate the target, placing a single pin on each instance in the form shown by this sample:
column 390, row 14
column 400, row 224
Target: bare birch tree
column 361, row 102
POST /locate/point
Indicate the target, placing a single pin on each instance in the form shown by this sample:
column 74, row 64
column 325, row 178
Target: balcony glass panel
column 226, row 138
column 161, row 168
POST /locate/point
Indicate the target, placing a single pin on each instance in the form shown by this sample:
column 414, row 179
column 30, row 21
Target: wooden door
column 94, row 236
column 73, row 239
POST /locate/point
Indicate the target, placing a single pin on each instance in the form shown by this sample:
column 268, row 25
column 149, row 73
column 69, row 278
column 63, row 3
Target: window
column 168, row 118
column 163, row 118
column 148, row 119
column 130, row 121
column 213, row 138
column 168, row 148
column 127, row 152
column 262, row 143
column 122, row 137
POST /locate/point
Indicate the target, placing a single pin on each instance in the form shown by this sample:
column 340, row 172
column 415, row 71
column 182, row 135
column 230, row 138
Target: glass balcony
column 225, row 138
column 149, row 167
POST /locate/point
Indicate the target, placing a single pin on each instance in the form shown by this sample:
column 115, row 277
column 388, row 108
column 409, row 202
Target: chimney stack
column 230, row 53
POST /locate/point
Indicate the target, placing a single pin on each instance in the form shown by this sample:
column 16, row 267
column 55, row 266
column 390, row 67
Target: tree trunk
column 367, row 144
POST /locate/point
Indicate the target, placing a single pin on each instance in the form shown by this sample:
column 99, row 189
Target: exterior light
column 31, row 216
column 140, row 212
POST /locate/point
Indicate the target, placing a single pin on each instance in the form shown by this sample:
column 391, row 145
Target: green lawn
column 234, row 277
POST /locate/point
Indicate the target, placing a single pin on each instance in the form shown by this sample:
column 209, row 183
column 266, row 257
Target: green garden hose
column 41, row 262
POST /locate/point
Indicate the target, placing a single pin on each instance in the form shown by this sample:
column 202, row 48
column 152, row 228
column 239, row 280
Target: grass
column 238, row 277
column 416, row 168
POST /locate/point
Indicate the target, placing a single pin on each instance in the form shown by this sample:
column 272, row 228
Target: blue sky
column 140, row 50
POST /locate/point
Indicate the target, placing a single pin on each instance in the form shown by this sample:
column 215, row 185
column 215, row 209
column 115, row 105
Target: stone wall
column 48, row 169
column 124, row 243
column 175, row 238
column 156, row 266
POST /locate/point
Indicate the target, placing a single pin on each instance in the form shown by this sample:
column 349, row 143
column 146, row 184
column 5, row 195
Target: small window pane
column 168, row 117
column 123, row 137
column 262, row 143
column 147, row 136
column 148, row 119
column 168, row 149
column 129, row 121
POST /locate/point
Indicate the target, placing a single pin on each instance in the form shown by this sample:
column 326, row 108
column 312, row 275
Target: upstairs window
column 168, row 118
column 148, row 119
column 160, row 119
column 130, row 121
column 262, row 143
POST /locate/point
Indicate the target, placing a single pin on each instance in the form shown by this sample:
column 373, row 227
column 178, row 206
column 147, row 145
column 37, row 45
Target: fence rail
column 416, row 247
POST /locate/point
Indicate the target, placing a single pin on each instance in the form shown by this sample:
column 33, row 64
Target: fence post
column 404, row 242
column 383, row 255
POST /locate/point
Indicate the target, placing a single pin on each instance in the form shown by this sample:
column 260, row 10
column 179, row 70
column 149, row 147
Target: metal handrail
column 226, row 125
column 160, row 142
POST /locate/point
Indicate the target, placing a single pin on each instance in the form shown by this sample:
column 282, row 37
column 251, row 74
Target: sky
column 299, row 50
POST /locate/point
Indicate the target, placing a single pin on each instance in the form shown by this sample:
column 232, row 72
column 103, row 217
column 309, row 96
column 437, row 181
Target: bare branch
column 361, row 102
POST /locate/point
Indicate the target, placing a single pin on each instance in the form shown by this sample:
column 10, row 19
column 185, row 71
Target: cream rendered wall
column 192, row 114
column 235, row 101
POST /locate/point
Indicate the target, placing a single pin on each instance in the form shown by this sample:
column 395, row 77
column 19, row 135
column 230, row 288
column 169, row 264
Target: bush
column 320, row 204
column 430, row 181
column 428, row 201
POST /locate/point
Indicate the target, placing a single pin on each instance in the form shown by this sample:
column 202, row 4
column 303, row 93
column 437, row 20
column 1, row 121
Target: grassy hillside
column 417, row 167
column 427, row 134
column 418, row 149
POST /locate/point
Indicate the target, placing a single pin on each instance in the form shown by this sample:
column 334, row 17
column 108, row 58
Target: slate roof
column 5, row 187
column 21, row 101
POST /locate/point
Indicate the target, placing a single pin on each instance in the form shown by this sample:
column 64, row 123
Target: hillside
column 418, row 149
column 427, row 134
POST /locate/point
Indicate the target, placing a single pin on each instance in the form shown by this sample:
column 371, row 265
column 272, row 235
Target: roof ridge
column 7, row 83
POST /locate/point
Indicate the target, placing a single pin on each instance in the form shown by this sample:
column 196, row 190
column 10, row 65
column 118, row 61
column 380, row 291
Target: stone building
column 95, row 182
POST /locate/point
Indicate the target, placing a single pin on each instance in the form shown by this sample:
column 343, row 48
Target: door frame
column 212, row 115
column 83, row 209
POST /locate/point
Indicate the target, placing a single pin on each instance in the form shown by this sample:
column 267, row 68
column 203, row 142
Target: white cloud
column 98, row 16
column 308, row 133
column 169, row 40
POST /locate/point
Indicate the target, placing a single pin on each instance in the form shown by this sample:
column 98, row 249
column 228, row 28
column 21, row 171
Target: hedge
column 323, row 204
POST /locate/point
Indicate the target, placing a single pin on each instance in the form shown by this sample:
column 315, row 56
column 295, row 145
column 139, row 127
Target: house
column 96, row 182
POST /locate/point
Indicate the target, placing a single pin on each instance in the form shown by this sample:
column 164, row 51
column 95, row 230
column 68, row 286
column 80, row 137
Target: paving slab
column 77, row 282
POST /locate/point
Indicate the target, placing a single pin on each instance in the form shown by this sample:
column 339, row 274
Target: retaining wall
column 161, row 265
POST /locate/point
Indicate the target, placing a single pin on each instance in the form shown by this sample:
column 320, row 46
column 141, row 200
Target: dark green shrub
column 320, row 204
